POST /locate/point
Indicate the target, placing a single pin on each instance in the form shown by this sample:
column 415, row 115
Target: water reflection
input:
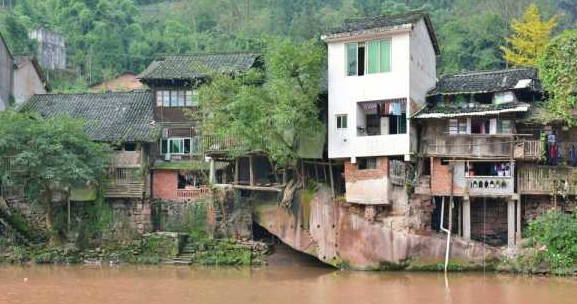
column 276, row 284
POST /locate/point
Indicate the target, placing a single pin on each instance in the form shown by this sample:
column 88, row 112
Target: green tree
column 558, row 71
column 271, row 112
column 531, row 35
column 54, row 154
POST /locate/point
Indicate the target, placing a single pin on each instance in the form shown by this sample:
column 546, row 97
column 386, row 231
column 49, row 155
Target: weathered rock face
column 341, row 237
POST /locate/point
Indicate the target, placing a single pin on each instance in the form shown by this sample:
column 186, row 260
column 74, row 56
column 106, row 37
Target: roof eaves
column 520, row 108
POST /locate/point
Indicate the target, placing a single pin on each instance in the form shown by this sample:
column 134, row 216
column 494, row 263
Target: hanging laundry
column 396, row 109
column 573, row 155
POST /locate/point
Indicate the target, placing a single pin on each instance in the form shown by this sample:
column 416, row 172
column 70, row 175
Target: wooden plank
column 257, row 188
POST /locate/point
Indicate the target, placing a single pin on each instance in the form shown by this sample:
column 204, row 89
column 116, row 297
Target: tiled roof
column 110, row 117
column 195, row 66
column 488, row 81
column 442, row 110
column 383, row 22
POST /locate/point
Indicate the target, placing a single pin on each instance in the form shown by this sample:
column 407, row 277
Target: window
column 352, row 59
column 505, row 126
column 178, row 146
column 371, row 57
column 480, row 126
column 342, row 121
column 373, row 124
column 398, row 124
column 367, row 163
column 176, row 98
column 458, row 126
column 131, row 147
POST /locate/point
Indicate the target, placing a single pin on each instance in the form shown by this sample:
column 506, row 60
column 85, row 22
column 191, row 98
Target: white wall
column 412, row 75
column 346, row 91
column 27, row 82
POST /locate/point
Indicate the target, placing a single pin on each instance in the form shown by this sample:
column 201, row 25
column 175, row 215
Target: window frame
column 181, row 141
column 379, row 64
column 370, row 163
column 181, row 98
column 339, row 122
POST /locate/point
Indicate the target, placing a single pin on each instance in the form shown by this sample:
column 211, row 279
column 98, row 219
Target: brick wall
column 353, row 174
column 441, row 179
column 369, row 186
column 164, row 184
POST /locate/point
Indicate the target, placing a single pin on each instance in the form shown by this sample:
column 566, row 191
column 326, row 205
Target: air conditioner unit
column 165, row 133
column 167, row 157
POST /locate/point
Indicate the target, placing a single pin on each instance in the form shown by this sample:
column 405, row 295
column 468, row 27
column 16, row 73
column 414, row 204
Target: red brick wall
column 353, row 174
column 441, row 179
column 164, row 184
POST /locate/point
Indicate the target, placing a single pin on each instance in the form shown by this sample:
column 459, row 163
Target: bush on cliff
column 555, row 235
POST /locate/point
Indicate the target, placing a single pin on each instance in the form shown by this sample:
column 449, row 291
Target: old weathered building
column 51, row 48
column 126, row 81
column 6, row 75
column 125, row 120
column 28, row 79
column 470, row 143
column 180, row 171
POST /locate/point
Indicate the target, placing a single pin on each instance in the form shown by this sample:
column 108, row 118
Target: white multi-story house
column 379, row 72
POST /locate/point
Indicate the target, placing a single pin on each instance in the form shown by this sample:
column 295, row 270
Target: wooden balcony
column 215, row 144
column 547, row 180
column 527, row 149
column 470, row 146
column 126, row 183
column 490, row 185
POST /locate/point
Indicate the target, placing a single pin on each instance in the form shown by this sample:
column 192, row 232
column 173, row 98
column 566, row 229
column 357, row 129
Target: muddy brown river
column 276, row 284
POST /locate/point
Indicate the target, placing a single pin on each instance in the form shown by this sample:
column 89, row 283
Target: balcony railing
column 547, row 180
column 490, row 185
column 219, row 143
column 470, row 146
column 528, row 149
column 189, row 194
column 125, row 182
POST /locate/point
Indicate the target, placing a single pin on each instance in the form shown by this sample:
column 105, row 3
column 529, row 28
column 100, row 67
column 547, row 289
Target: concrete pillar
column 466, row 218
column 212, row 172
column 518, row 235
column 511, row 223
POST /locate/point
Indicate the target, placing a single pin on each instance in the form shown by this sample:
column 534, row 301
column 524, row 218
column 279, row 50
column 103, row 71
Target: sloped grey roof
column 109, row 117
column 384, row 22
column 195, row 66
column 451, row 110
column 487, row 81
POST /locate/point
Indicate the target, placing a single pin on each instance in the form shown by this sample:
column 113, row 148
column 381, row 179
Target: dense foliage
column 557, row 232
column 270, row 112
column 105, row 37
column 558, row 68
column 50, row 155
column 531, row 36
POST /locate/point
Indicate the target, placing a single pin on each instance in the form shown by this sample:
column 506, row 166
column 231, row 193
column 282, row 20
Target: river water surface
column 276, row 284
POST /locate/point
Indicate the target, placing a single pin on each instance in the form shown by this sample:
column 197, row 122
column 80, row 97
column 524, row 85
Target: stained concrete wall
column 6, row 76
column 27, row 82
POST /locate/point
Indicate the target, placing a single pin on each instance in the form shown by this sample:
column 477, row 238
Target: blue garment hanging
column 396, row 109
column 573, row 155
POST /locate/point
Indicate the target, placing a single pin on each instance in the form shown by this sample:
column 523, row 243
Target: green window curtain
column 385, row 56
column 373, row 57
column 176, row 146
column 352, row 59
